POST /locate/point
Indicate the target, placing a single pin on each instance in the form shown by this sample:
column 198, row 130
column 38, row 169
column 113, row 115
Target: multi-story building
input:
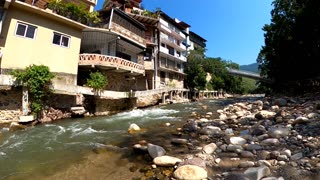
column 32, row 34
column 150, row 21
column 116, row 47
column 165, row 53
column 196, row 41
column 172, row 51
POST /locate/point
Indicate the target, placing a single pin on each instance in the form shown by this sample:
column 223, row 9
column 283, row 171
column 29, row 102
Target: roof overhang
column 109, row 31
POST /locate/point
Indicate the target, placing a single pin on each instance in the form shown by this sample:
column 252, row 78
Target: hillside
column 250, row 67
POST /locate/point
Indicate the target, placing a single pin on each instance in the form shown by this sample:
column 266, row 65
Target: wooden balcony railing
column 110, row 61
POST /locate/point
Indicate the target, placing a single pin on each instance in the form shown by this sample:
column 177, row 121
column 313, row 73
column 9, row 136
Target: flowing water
column 68, row 149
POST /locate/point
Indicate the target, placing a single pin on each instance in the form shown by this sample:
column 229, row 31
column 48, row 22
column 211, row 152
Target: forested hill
column 250, row 67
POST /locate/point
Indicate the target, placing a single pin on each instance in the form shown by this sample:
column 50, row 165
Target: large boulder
column 166, row 160
column 155, row 151
column 189, row 172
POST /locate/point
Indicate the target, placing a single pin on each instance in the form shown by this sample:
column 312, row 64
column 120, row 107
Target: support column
column 25, row 101
column 170, row 95
column 163, row 98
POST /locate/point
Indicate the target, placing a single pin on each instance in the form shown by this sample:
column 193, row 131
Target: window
column 61, row 40
column 26, row 30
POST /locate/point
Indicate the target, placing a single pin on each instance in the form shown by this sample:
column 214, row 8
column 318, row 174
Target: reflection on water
column 64, row 149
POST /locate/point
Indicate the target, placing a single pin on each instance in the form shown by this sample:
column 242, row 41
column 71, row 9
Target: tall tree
column 195, row 75
column 292, row 44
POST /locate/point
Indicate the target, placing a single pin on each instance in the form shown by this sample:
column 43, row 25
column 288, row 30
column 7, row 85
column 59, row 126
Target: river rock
column 301, row 120
column 246, row 154
column 190, row 172
column 270, row 142
column 264, row 114
column 258, row 130
column 251, row 147
column 133, row 128
column 256, row 173
column 16, row 126
column 203, row 120
column 237, row 141
column 179, row 141
column 190, row 126
column 280, row 102
column 210, row 148
column 166, row 160
column 234, row 148
column 155, row 151
column 140, row 148
column 313, row 115
column 235, row 176
column 196, row 161
column 210, row 130
column 278, row 132
column 297, row 156
column 246, row 164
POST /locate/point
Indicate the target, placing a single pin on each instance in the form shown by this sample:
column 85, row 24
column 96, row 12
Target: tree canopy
column 199, row 66
column 292, row 44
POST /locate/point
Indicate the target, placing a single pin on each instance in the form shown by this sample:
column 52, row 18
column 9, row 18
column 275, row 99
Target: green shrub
column 37, row 78
column 97, row 81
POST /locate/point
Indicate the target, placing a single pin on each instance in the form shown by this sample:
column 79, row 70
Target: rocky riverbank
column 270, row 138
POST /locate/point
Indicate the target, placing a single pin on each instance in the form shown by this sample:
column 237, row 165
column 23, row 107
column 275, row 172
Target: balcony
column 173, row 44
column 172, row 68
column 111, row 63
column 127, row 33
column 164, row 52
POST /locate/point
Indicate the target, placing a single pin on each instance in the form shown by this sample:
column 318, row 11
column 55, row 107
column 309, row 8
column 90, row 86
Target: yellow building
column 31, row 35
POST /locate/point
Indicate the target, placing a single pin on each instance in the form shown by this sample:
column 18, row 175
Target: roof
column 181, row 25
column 196, row 36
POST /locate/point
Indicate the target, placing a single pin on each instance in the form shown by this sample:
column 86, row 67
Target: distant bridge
column 245, row 74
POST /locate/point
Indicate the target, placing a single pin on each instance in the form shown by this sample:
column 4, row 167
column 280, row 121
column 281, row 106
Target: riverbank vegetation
column 211, row 74
column 37, row 79
column 292, row 47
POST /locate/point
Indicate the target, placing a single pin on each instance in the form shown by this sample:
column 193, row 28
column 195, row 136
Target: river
column 71, row 148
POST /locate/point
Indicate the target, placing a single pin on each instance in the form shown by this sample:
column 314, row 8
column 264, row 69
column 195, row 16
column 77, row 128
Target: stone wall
column 112, row 106
column 10, row 103
column 62, row 101
column 123, row 82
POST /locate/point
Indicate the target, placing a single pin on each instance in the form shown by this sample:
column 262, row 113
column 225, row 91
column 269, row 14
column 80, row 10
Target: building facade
column 172, row 51
column 32, row 34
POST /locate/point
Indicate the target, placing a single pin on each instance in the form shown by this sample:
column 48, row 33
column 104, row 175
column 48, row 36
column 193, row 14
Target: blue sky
column 232, row 28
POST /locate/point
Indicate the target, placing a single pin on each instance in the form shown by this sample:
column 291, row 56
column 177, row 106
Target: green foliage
column 221, row 79
column 248, row 85
column 198, row 66
column 74, row 12
column 196, row 76
column 37, row 78
column 292, row 46
column 97, row 81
